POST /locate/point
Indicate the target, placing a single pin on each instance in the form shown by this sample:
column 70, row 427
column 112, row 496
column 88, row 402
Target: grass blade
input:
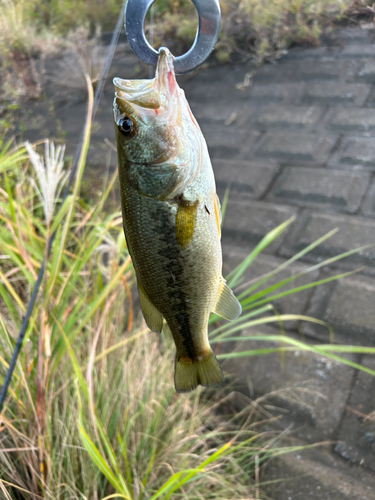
column 236, row 274
column 252, row 302
column 284, row 265
column 301, row 346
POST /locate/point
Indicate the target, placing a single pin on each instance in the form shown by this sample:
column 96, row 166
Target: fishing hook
column 207, row 33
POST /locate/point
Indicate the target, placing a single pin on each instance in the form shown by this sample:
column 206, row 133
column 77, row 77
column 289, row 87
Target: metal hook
column 207, row 33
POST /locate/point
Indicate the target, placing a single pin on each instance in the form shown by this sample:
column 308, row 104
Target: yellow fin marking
column 217, row 212
column 185, row 224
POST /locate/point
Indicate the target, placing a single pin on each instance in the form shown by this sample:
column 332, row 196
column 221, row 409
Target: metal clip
column 207, row 33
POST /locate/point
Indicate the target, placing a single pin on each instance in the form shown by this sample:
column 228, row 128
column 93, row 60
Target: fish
column 172, row 219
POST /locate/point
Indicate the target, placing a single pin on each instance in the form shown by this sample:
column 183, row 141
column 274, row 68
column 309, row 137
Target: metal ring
column 207, row 33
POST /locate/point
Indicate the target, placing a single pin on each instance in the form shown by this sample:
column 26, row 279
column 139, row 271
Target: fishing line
column 98, row 94
column 151, row 68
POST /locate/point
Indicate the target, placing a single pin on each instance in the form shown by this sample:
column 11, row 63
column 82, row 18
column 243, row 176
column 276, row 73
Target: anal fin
column 153, row 317
column 227, row 305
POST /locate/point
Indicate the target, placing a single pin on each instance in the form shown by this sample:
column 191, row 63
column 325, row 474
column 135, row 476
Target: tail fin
column 188, row 375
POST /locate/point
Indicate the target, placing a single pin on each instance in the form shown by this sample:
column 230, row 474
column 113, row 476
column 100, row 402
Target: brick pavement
column 298, row 141
column 310, row 152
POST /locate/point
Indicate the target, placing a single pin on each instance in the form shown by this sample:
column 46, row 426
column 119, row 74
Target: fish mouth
column 139, row 92
column 132, row 85
column 165, row 78
column 153, row 93
column 136, row 109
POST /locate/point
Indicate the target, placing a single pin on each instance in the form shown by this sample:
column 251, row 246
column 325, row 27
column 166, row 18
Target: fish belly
column 181, row 282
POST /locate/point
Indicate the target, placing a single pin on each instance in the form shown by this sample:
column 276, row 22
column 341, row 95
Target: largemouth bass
column 171, row 217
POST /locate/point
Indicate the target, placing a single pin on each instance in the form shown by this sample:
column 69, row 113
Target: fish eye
column 125, row 126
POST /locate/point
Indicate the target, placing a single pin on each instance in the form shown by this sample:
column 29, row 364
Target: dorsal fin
column 227, row 306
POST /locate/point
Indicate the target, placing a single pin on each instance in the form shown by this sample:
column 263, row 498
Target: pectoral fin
column 153, row 317
column 227, row 306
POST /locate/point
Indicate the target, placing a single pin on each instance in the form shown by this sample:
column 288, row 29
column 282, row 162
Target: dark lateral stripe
column 176, row 295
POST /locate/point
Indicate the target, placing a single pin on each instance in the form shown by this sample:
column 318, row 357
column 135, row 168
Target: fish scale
column 171, row 218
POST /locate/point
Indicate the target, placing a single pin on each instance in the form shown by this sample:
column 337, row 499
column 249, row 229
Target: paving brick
column 289, row 116
column 229, row 142
column 226, row 85
column 291, row 304
column 199, row 93
column 368, row 207
column 357, row 434
column 370, row 100
column 353, row 232
column 311, row 390
column 315, row 475
column 335, row 93
column 355, row 153
column 324, row 53
column 348, row 306
column 225, row 73
column 206, row 114
column 319, row 187
column 366, row 72
column 221, row 84
column 352, row 35
column 282, row 93
column 358, row 50
column 246, row 222
column 361, row 120
column 309, row 71
column 297, row 146
column 246, row 179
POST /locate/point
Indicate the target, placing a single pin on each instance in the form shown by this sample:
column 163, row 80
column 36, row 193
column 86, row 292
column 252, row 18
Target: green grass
column 92, row 411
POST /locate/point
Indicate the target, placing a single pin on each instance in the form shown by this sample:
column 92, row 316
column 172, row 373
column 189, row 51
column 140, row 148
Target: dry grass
column 92, row 409
column 82, row 55
column 254, row 28
column 29, row 31
column 23, row 47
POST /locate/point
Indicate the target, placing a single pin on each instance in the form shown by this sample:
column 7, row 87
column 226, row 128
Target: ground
column 296, row 139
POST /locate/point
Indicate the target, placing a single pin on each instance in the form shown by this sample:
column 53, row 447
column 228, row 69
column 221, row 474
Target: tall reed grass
column 92, row 412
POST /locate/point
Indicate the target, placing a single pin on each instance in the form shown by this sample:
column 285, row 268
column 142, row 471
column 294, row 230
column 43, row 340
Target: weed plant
column 24, row 44
column 30, row 30
column 256, row 29
column 83, row 55
column 92, row 412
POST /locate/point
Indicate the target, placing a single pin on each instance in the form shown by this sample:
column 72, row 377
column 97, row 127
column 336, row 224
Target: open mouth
column 139, row 92
column 131, row 86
